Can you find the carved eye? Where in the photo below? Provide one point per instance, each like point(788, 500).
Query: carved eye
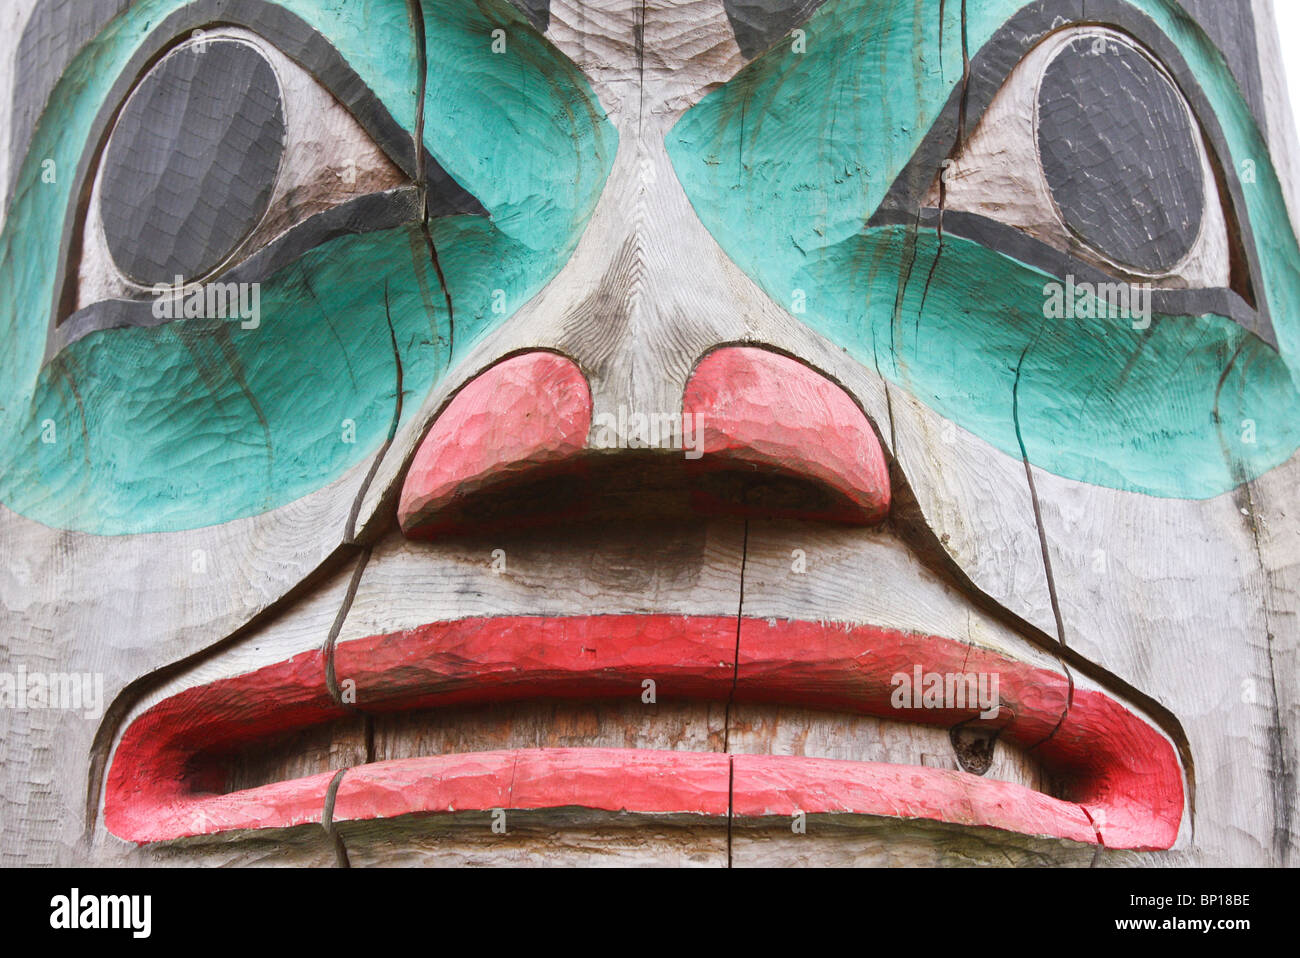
point(1091, 147)
point(228, 159)
point(192, 161)
point(222, 147)
point(1121, 154)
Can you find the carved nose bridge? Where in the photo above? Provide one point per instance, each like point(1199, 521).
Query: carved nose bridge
point(755, 434)
point(648, 289)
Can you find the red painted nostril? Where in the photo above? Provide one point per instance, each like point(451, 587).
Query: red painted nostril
point(762, 435)
point(768, 412)
point(527, 412)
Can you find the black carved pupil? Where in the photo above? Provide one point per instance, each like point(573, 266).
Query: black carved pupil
point(192, 161)
point(1120, 154)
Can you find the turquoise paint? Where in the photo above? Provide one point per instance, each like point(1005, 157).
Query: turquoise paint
point(787, 162)
point(201, 422)
point(508, 126)
point(1080, 376)
point(165, 421)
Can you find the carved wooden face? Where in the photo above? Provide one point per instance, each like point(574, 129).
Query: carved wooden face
point(858, 431)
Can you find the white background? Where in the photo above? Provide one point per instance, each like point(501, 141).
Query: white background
point(1288, 35)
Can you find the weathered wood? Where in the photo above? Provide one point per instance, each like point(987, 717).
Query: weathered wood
point(483, 246)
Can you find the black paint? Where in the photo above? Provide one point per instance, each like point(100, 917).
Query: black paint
point(192, 162)
point(1020, 246)
point(1230, 25)
point(538, 12)
point(990, 67)
point(366, 214)
point(295, 38)
point(758, 24)
point(1120, 154)
point(54, 34)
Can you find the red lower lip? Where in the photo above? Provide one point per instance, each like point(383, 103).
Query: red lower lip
point(1122, 776)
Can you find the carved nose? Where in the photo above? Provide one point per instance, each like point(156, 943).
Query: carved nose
point(524, 416)
point(766, 415)
point(760, 435)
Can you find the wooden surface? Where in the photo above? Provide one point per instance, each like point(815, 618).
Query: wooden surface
point(1184, 611)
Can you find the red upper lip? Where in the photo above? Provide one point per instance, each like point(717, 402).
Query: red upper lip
point(1122, 777)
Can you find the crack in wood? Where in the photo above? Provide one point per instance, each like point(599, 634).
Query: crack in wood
point(350, 533)
point(327, 820)
point(131, 694)
point(331, 640)
point(416, 9)
point(1042, 544)
point(904, 280)
point(735, 663)
point(1101, 842)
point(1282, 784)
point(731, 696)
point(957, 146)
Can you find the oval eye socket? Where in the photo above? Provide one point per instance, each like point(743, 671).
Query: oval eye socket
point(1120, 154)
point(192, 162)
point(1091, 148)
point(225, 162)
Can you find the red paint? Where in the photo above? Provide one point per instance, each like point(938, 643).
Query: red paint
point(763, 410)
point(1109, 760)
point(758, 414)
point(767, 785)
point(1117, 766)
point(608, 779)
point(1113, 775)
point(156, 787)
point(522, 414)
point(519, 657)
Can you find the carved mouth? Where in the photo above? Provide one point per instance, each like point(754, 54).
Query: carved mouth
point(480, 714)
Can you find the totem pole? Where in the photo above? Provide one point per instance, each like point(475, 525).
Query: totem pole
point(691, 432)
